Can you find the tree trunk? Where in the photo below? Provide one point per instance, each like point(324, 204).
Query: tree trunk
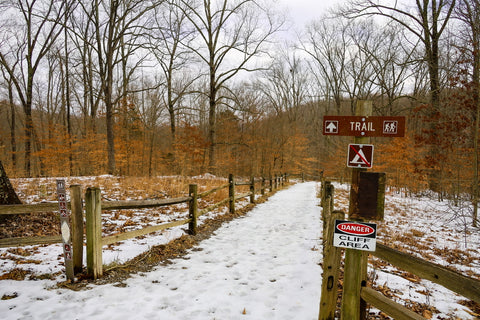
point(7, 193)
point(108, 95)
point(476, 99)
point(211, 137)
point(67, 100)
point(13, 125)
point(212, 119)
point(28, 134)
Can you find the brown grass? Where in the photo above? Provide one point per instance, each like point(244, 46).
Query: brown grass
point(37, 190)
point(118, 188)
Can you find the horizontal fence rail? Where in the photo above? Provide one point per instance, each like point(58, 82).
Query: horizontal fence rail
point(452, 280)
point(29, 241)
point(10, 209)
point(141, 232)
point(395, 310)
point(139, 204)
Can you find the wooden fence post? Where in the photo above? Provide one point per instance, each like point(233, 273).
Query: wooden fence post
point(77, 227)
point(325, 193)
point(252, 190)
point(93, 213)
point(332, 257)
point(65, 229)
point(231, 193)
point(192, 208)
point(263, 186)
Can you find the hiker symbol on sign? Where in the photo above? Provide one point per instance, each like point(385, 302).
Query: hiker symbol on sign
point(390, 127)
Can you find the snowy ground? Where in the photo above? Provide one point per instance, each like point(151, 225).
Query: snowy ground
point(261, 266)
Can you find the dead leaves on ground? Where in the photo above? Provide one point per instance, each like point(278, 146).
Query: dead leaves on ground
point(15, 274)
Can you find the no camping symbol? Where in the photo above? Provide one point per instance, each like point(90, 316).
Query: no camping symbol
point(360, 156)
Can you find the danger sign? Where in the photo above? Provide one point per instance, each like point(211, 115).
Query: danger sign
point(360, 156)
point(355, 235)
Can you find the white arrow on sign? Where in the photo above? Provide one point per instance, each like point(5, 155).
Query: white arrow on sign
point(331, 126)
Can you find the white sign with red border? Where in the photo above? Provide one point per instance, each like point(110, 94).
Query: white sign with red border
point(355, 235)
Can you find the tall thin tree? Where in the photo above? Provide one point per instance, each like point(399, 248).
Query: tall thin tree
point(232, 33)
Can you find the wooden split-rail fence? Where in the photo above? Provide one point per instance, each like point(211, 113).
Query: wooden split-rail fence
point(93, 207)
point(452, 280)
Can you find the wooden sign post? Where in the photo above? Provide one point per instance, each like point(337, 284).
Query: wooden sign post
point(367, 192)
point(65, 229)
point(355, 271)
point(369, 202)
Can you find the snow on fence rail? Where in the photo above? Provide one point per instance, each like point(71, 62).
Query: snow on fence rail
point(452, 280)
point(94, 207)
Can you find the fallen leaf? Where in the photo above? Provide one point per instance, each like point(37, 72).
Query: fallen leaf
point(427, 314)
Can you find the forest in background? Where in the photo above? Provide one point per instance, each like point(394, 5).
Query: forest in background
point(148, 88)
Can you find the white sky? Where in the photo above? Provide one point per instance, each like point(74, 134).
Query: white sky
point(304, 11)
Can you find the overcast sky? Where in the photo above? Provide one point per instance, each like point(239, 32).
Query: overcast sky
point(304, 11)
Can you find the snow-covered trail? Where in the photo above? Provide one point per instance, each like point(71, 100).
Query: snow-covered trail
point(261, 266)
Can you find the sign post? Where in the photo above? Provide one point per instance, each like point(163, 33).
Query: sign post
point(367, 195)
point(65, 229)
point(355, 271)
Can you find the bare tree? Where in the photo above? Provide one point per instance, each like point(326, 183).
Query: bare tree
point(87, 92)
point(151, 109)
point(391, 61)
point(284, 89)
point(326, 43)
point(427, 21)
point(13, 116)
point(468, 12)
point(116, 27)
point(66, 93)
point(170, 39)
point(361, 76)
point(26, 39)
point(285, 84)
point(232, 33)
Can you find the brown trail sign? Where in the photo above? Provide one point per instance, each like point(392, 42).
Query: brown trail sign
point(364, 126)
